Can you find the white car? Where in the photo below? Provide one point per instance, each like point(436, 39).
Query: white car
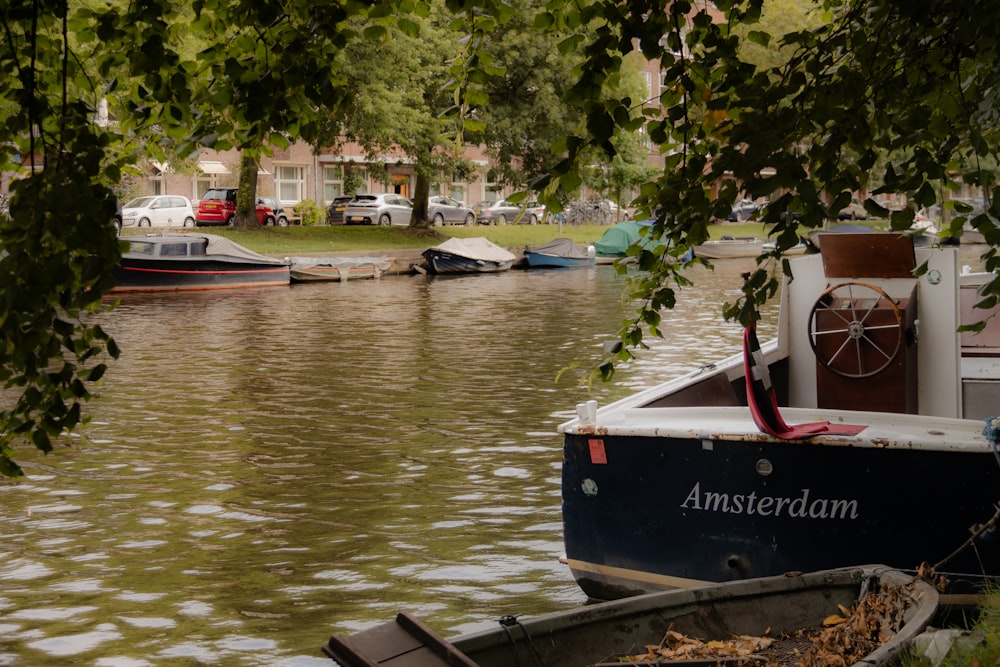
point(158, 211)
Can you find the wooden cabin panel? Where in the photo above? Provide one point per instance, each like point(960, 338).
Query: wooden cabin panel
point(868, 255)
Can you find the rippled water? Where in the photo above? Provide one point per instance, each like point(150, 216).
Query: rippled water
point(267, 467)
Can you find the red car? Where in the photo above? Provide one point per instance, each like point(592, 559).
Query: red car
point(218, 207)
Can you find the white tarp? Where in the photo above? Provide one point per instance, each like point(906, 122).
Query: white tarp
point(476, 248)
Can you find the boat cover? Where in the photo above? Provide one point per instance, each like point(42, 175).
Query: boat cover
point(220, 245)
point(475, 248)
point(381, 263)
point(561, 247)
point(616, 240)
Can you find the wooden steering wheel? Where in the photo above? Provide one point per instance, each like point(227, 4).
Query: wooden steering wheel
point(852, 346)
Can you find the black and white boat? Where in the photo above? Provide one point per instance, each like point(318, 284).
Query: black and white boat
point(860, 434)
point(474, 255)
point(194, 262)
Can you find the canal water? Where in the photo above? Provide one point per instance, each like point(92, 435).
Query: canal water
point(266, 467)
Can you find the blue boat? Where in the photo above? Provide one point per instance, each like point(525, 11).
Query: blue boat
point(561, 252)
point(475, 255)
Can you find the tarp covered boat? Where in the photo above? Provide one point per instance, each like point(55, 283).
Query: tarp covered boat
point(561, 252)
point(474, 255)
point(341, 269)
point(194, 262)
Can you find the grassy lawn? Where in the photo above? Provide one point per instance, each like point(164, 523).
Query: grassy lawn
point(344, 238)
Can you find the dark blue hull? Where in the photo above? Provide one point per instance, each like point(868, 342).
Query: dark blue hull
point(444, 262)
point(137, 274)
point(541, 260)
point(675, 512)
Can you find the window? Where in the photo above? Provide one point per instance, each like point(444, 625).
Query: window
point(491, 183)
point(457, 187)
point(333, 182)
point(289, 182)
point(174, 250)
point(647, 76)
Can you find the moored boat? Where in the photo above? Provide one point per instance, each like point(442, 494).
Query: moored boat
point(754, 622)
point(473, 255)
point(561, 252)
point(194, 262)
point(730, 246)
point(876, 453)
point(338, 269)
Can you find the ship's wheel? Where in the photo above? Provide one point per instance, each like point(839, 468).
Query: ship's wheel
point(853, 346)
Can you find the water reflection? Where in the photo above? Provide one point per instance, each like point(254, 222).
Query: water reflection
point(267, 467)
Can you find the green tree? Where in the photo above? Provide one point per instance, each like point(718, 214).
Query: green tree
point(911, 86)
point(397, 76)
point(262, 79)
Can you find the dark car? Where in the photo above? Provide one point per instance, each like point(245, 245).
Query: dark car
point(218, 207)
point(335, 212)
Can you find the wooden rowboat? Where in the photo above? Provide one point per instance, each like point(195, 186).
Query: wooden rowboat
point(781, 616)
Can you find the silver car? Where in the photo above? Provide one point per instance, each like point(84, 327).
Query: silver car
point(378, 209)
point(441, 210)
point(496, 212)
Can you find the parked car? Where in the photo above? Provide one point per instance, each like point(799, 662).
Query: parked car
point(382, 209)
point(280, 217)
point(116, 219)
point(218, 207)
point(853, 211)
point(335, 212)
point(158, 211)
point(441, 210)
point(534, 213)
point(743, 210)
point(496, 212)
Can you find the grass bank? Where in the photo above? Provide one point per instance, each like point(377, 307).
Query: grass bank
point(344, 238)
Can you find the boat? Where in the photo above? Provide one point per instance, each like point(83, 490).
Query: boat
point(729, 246)
point(339, 269)
point(862, 433)
point(194, 262)
point(561, 252)
point(774, 620)
point(473, 255)
point(614, 242)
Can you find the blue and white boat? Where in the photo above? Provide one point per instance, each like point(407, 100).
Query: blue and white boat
point(475, 255)
point(560, 253)
point(862, 433)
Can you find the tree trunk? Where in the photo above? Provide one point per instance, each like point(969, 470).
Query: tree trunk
point(246, 195)
point(421, 192)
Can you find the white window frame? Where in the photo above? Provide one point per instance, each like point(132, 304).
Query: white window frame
point(290, 183)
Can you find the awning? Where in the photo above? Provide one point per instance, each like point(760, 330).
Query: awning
point(209, 167)
point(162, 167)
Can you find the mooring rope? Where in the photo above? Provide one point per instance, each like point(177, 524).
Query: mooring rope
point(507, 622)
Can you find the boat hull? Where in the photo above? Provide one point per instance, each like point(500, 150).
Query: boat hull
point(332, 273)
point(147, 275)
point(542, 260)
point(445, 262)
point(608, 633)
point(651, 513)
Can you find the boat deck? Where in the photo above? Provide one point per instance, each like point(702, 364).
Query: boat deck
point(882, 430)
